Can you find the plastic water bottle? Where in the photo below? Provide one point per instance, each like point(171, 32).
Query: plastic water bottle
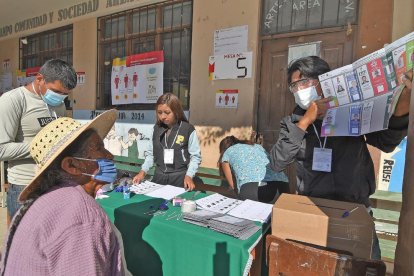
point(127, 192)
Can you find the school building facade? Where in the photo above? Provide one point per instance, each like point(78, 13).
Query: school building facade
point(91, 33)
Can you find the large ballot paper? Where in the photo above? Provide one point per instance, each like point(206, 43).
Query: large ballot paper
point(364, 92)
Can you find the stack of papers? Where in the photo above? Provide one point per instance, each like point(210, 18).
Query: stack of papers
point(145, 187)
point(236, 227)
point(217, 203)
point(200, 217)
point(248, 209)
point(152, 189)
point(166, 192)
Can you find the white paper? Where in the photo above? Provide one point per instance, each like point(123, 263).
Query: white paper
point(218, 203)
point(252, 210)
point(303, 50)
point(230, 40)
point(167, 192)
point(145, 187)
point(231, 66)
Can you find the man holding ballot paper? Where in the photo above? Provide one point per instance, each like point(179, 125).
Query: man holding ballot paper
point(340, 167)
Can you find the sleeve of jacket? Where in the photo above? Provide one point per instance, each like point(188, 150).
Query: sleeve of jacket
point(195, 154)
point(288, 145)
point(11, 110)
point(387, 140)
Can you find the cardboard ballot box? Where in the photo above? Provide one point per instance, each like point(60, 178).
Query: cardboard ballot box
point(322, 222)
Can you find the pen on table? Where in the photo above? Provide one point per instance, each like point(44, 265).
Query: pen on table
point(347, 213)
point(194, 195)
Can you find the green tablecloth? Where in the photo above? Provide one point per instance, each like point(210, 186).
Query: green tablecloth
point(157, 246)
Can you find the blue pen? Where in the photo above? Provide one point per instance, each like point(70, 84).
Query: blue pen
point(347, 213)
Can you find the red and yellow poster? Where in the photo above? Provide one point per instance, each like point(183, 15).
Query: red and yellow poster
point(137, 78)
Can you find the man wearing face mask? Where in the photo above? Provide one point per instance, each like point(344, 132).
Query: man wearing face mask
point(24, 112)
point(337, 168)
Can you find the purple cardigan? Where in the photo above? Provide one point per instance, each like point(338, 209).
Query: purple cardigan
point(65, 232)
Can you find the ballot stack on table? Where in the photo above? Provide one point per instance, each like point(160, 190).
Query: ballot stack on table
point(340, 226)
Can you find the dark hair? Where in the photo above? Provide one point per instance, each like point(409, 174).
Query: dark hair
point(134, 131)
point(309, 67)
point(53, 176)
point(59, 70)
point(230, 141)
point(174, 104)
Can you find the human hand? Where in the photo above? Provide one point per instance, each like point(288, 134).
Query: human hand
point(139, 177)
point(317, 109)
point(408, 79)
point(188, 183)
point(402, 107)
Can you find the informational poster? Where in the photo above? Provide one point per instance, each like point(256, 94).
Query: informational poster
point(363, 92)
point(391, 169)
point(230, 40)
point(227, 98)
point(6, 64)
point(26, 76)
point(6, 81)
point(137, 78)
point(131, 134)
point(230, 66)
point(81, 78)
point(303, 50)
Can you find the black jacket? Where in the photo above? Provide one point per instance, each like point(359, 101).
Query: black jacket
point(352, 176)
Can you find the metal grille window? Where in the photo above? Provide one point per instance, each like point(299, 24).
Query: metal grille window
point(163, 26)
point(281, 16)
point(36, 49)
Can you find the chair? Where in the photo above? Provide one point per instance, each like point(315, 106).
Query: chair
point(290, 258)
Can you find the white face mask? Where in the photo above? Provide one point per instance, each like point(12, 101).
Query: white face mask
point(304, 97)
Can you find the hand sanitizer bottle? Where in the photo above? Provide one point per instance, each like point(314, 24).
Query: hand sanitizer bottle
point(126, 192)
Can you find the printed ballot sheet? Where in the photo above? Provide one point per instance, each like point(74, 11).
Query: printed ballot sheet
point(218, 203)
point(167, 192)
point(252, 210)
point(358, 118)
point(363, 92)
point(145, 187)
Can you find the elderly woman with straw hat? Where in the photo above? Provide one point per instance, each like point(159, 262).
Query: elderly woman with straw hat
point(61, 229)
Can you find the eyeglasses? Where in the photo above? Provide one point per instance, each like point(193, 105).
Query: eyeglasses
point(300, 84)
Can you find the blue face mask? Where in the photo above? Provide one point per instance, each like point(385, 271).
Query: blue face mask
point(53, 98)
point(50, 97)
point(106, 170)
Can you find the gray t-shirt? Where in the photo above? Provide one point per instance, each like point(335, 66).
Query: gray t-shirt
point(23, 115)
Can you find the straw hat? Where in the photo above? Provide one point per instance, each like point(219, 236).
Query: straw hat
point(56, 136)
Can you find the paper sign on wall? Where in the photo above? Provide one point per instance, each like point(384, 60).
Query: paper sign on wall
point(227, 98)
point(230, 40)
point(81, 77)
point(303, 50)
point(230, 66)
point(26, 76)
point(137, 78)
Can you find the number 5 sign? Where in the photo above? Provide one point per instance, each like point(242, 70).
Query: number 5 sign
point(230, 66)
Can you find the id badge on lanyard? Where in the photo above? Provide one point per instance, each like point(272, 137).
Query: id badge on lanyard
point(169, 152)
point(168, 156)
point(322, 157)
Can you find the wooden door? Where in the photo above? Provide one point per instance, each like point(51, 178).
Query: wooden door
point(275, 101)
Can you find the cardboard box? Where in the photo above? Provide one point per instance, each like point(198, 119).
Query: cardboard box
point(321, 222)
